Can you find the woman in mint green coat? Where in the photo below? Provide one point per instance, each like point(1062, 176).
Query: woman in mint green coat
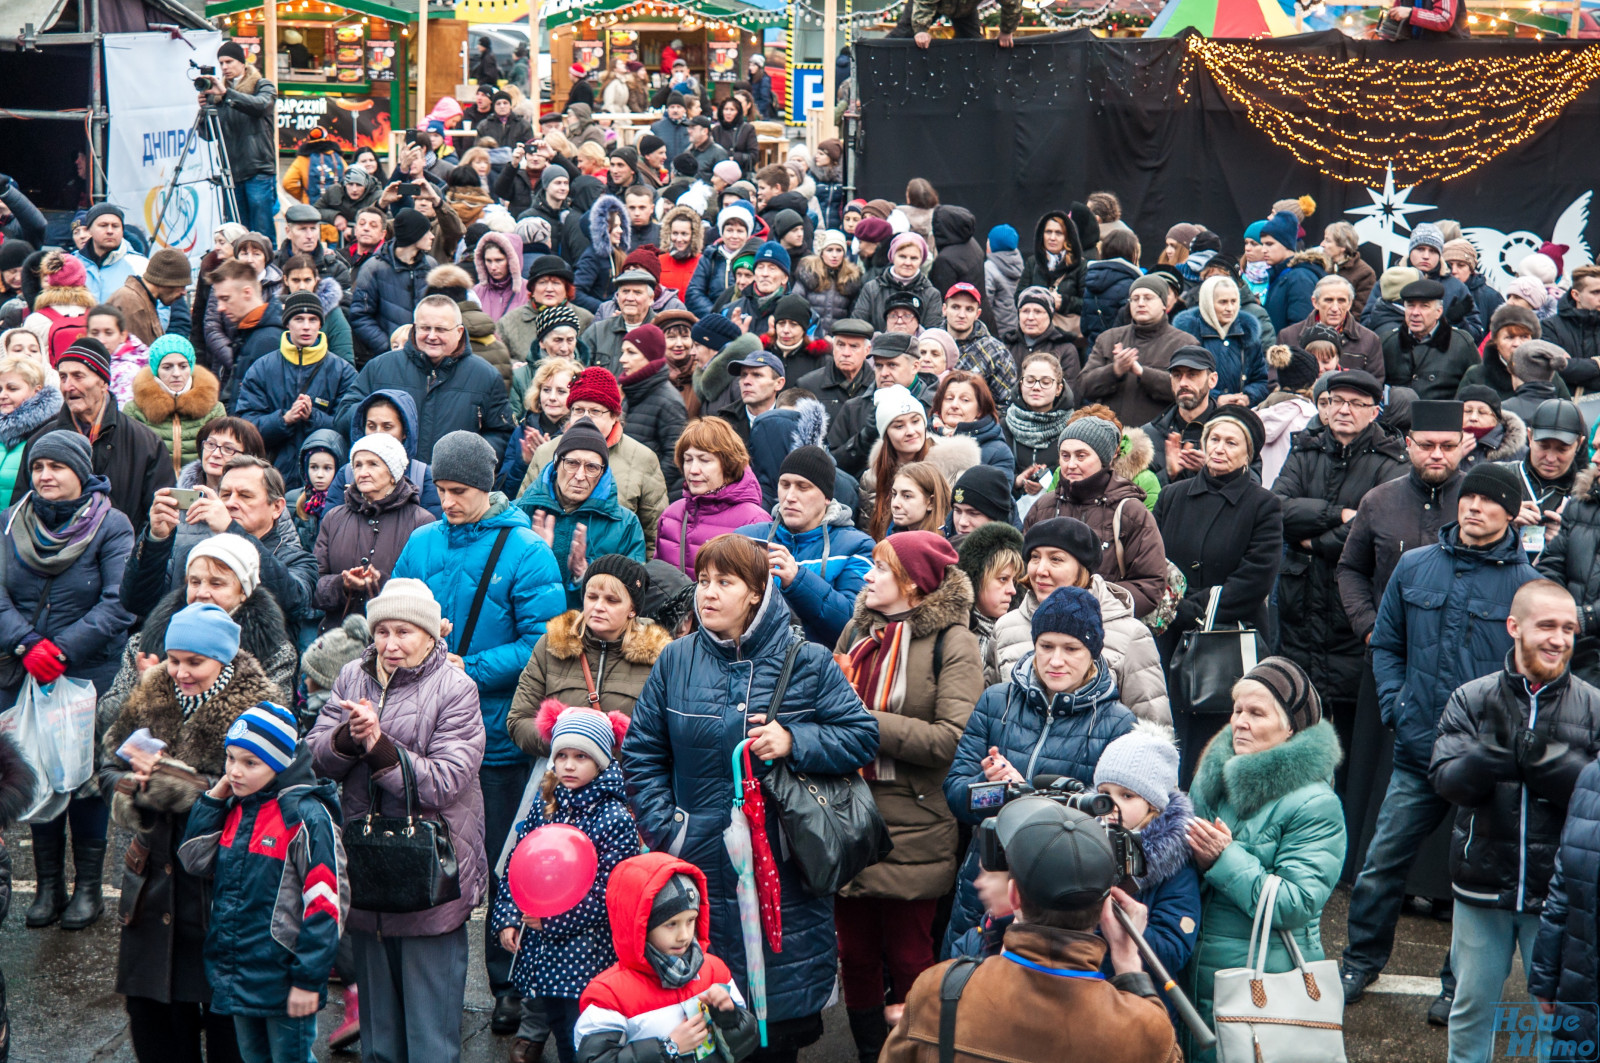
point(1264, 805)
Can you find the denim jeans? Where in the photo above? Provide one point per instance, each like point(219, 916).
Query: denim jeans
point(563, 1015)
point(502, 792)
point(258, 204)
point(1481, 943)
point(276, 1040)
point(1411, 811)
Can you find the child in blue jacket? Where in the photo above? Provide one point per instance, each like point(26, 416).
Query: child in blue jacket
point(1140, 773)
point(556, 957)
point(266, 836)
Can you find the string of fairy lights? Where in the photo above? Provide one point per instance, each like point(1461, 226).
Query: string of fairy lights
point(1353, 117)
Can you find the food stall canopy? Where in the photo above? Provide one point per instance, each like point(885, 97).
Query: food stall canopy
point(752, 14)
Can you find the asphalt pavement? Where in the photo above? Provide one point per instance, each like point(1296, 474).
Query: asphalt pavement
point(64, 1010)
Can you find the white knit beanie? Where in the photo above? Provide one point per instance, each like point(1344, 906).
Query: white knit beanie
point(387, 449)
point(1144, 760)
point(894, 401)
point(236, 553)
point(409, 600)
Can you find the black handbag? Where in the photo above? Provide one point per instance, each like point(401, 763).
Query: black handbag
point(830, 821)
point(1208, 662)
point(400, 864)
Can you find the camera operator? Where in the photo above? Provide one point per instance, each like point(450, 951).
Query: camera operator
point(244, 102)
point(1047, 979)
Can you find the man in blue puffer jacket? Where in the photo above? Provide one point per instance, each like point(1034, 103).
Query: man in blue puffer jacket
point(819, 558)
point(452, 557)
point(1055, 723)
point(1442, 623)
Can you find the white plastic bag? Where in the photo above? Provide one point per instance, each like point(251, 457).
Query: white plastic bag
point(21, 724)
point(65, 714)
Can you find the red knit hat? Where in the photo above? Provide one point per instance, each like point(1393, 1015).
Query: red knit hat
point(925, 556)
point(650, 341)
point(646, 258)
point(596, 384)
point(70, 275)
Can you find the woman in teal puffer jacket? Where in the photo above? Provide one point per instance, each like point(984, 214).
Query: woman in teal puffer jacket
point(1264, 805)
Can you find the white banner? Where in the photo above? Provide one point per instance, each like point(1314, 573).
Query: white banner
point(153, 105)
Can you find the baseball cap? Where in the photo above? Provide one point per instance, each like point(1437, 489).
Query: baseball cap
point(1558, 419)
point(1192, 357)
point(963, 288)
point(758, 359)
point(1058, 856)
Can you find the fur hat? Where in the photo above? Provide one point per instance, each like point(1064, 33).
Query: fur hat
point(1509, 314)
point(982, 544)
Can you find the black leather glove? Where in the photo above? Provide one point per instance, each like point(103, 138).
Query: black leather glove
point(1458, 310)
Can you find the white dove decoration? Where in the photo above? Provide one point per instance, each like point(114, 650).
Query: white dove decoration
point(1499, 253)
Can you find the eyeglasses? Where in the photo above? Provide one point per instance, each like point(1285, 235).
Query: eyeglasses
point(1038, 381)
point(574, 467)
point(1327, 403)
point(435, 330)
point(211, 446)
point(1434, 448)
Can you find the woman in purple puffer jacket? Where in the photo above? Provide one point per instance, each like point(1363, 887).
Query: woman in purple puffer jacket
point(412, 968)
point(720, 492)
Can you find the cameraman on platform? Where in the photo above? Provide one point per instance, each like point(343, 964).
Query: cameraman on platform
point(244, 102)
point(1044, 997)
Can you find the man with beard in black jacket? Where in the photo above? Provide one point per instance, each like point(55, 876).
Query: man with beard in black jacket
point(1509, 750)
point(1330, 468)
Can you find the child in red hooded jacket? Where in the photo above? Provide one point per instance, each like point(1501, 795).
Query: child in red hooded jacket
point(666, 998)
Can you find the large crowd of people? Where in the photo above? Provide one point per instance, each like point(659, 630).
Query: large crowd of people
point(625, 460)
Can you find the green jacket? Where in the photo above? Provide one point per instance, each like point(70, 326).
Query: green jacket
point(1286, 820)
point(924, 13)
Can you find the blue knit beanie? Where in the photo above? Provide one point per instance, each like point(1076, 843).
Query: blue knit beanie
point(205, 629)
point(776, 253)
point(1284, 228)
point(1003, 238)
point(1071, 611)
point(268, 730)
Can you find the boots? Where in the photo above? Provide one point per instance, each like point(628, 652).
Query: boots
point(870, 1030)
point(347, 1032)
point(88, 867)
point(49, 869)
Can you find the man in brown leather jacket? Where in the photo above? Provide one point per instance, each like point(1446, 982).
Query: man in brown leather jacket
point(1044, 997)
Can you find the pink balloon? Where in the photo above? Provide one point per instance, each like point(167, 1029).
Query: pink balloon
point(551, 870)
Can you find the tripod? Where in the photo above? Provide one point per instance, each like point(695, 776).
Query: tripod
point(221, 183)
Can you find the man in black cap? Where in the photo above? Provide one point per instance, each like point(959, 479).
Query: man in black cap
point(1432, 634)
point(1331, 466)
point(507, 128)
point(1063, 882)
point(818, 555)
point(1424, 353)
point(302, 226)
point(1556, 456)
point(981, 494)
point(245, 103)
point(1194, 374)
point(855, 427)
point(844, 375)
point(392, 282)
point(706, 151)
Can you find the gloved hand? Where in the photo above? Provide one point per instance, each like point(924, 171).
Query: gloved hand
point(1457, 311)
point(45, 661)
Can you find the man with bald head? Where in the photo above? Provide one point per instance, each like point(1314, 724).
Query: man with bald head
point(454, 389)
point(1509, 751)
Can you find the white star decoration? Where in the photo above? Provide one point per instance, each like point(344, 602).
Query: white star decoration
point(1389, 209)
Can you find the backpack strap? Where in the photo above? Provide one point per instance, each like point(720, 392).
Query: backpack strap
point(951, 986)
point(483, 591)
point(1116, 539)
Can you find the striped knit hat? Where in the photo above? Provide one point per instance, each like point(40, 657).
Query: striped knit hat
point(1289, 683)
point(591, 732)
point(267, 730)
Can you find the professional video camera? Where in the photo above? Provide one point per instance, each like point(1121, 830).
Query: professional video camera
point(1065, 790)
point(206, 76)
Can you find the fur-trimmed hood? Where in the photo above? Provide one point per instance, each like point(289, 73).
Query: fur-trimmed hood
point(950, 605)
point(1312, 256)
point(811, 427)
point(1166, 840)
point(1584, 485)
point(157, 404)
point(600, 217)
point(262, 627)
point(697, 234)
point(954, 455)
point(1514, 441)
point(74, 295)
point(642, 643)
point(1135, 454)
point(1250, 782)
point(40, 407)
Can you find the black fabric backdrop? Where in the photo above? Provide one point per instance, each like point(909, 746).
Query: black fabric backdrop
point(1012, 133)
